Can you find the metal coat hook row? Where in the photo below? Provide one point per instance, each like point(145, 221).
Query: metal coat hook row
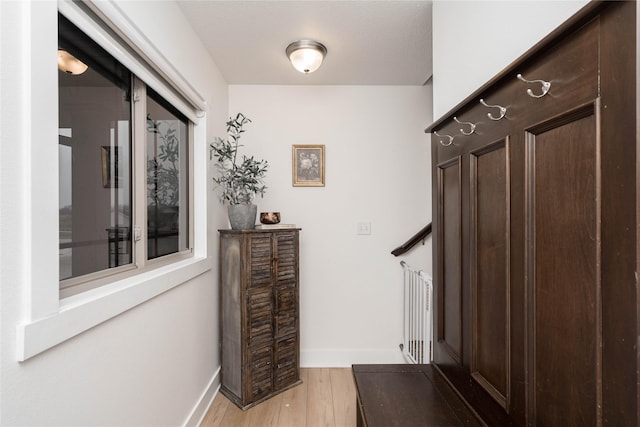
point(545, 86)
point(449, 137)
point(503, 110)
point(472, 126)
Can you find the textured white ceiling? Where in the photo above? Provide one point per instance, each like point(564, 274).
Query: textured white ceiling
point(383, 42)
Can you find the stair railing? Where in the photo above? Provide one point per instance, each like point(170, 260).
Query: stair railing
point(419, 236)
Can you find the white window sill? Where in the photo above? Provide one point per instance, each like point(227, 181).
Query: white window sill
point(81, 312)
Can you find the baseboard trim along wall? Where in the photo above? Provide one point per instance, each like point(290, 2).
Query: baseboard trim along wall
point(341, 358)
point(202, 406)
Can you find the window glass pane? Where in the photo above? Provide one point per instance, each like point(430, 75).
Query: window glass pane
point(95, 156)
point(64, 202)
point(167, 178)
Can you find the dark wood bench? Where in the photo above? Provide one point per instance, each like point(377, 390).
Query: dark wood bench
point(407, 395)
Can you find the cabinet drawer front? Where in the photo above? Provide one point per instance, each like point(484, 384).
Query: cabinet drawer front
point(260, 382)
point(260, 312)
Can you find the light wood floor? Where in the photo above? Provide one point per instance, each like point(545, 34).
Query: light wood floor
point(326, 397)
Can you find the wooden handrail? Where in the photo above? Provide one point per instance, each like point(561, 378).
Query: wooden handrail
point(420, 235)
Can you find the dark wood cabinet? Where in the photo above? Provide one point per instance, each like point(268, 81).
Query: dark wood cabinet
point(536, 228)
point(260, 313)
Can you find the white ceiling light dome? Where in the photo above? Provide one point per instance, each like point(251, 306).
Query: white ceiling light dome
point(306, 56)
point(69, 63)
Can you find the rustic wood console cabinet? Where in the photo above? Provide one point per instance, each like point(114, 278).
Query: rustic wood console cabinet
point(260, 313)
point(536, 232)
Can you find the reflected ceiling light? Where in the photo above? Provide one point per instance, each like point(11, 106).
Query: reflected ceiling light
point(306, 55)
point(70, 64)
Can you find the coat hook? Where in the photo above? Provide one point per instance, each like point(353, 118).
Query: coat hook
point(449, 137)
point(503, 110)
point(472, 126)
point(545, 86)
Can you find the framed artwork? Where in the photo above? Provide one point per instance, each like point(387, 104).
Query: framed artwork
point(109, 166)
point(308, 165)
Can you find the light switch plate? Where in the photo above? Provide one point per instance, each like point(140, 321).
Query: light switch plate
point(364, 228)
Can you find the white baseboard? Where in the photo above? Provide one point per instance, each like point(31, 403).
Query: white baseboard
point(341, 358)
point(202, 406)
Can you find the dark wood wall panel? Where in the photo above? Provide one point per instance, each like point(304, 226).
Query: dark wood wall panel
point(489, 271)
point(620, 247)
point(536, 213)
point(564, 232)
point(450, 290)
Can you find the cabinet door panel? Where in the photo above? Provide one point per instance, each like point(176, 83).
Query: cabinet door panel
point(449, 247)
point(287, 267)
point(489, 270)
point(259, 314)
point(564, 263)
point(260, 379)
point(286, 362)
point(261, 260)
point(286, 312)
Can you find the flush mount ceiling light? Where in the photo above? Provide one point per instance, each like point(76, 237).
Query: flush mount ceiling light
point(70, 64)
point(306, 55)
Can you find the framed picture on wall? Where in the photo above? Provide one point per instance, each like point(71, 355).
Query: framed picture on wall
point(308, 165)
point(109, 166)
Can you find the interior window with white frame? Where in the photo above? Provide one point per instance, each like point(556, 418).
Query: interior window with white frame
point(167, 188)
point(124, 169)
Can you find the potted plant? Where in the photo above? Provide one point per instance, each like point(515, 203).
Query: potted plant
point(240, 179)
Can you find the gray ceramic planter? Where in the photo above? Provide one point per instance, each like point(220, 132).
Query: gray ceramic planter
point(242, 217)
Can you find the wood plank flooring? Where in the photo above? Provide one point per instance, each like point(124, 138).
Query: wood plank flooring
point(326, 398)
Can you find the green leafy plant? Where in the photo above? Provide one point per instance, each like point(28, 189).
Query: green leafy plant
point(163, 175)
point(239, 179)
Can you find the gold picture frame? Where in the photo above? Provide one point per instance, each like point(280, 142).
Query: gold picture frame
point(308, 165)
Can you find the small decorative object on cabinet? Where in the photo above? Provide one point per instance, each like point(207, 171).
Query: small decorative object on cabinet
point(260, 313)
point(270, 217)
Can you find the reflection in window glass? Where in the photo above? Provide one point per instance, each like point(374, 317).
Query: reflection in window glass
point(167, 178)
point(65, 182)
point(95, 156)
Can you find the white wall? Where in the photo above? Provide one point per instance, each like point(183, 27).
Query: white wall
point(377, 170)
point(152, 364)
point(475, 40)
